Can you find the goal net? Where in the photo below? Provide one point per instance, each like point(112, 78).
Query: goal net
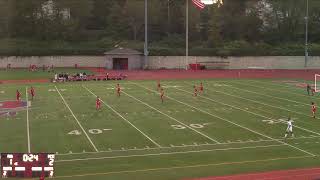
point(317, 82)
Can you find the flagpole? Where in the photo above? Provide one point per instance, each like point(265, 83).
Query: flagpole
point(187, 33)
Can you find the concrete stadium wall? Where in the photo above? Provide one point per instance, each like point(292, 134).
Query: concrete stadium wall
point(57, 61)
point(169, 62)
point(265, 62)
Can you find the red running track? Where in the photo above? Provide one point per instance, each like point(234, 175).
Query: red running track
point(199, 74)
point(298, 174)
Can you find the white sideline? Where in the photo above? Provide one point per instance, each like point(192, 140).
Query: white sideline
point(172, 118)
point(169, 153)
point(89, 139)
point(307, 130)
point(145, 135)
point(186, 166)
point(185, 146)
point(28, 127)
point(232, 122)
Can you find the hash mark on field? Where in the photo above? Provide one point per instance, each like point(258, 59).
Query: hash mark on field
point(145, 135)
point(172, 153)
point(89, 139)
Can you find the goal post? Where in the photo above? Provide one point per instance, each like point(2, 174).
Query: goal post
point(316, 83)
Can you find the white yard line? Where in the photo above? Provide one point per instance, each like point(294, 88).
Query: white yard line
point(169, 153)
point(176, 120)
point(185, 146)
point(83, 130)
point(28, 127)
point(145, 135)
point(232, 122)
point(186, 167)
point(307, 130)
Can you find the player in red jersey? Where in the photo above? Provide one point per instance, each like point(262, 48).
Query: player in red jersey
point(195, 91)
point(118, 90)
point(313, 109)
point(98, 103)
point(158, 86)
point(162, 94)
point(201, 87)
point(18, 95)
point(32, 92)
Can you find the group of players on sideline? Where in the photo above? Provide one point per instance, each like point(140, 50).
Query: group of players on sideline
point(197, 90)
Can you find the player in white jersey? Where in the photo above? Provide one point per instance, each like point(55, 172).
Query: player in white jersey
point(289, 128)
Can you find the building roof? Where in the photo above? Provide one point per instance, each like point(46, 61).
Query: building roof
point(123, 51)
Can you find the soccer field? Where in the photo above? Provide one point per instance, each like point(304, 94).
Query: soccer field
point(235, 126)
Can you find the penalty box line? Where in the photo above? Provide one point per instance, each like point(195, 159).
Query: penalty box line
point(145, 135)
point(83, 130)
point(231, 122)
point(146, 104)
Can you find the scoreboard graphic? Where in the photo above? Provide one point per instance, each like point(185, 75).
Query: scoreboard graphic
point(27, 165)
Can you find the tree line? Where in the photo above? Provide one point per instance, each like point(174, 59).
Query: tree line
point(246, 27)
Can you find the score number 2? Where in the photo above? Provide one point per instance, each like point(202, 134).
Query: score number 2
point(51, 159)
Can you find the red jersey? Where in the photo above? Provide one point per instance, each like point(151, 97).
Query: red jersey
point(98, 102)
point(201, 88)
point(118, 89)
point(313, 108)
point(32, 92)
point(18, 95)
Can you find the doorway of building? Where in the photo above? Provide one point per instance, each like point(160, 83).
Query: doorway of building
point(120, 63)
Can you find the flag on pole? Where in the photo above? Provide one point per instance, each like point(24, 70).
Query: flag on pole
point(198, 4)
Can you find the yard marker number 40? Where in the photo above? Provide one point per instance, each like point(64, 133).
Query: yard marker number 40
point(91, 131)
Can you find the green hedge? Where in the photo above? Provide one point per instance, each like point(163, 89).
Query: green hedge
point(12, 47)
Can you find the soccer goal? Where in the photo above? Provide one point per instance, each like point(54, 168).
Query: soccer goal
point(316, 83)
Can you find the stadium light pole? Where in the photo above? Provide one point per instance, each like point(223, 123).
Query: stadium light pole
point(187, 34)
point(146, 52)
point(306, 54)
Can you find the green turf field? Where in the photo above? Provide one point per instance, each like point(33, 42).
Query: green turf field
point(236, 126)
point(25, 74)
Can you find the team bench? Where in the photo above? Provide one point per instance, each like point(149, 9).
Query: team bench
point(215, 64)
point(93, 78)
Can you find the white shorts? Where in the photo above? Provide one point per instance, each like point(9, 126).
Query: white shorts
point(289, 129)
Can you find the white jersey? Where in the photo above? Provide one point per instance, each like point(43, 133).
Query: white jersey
point(289, 128)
